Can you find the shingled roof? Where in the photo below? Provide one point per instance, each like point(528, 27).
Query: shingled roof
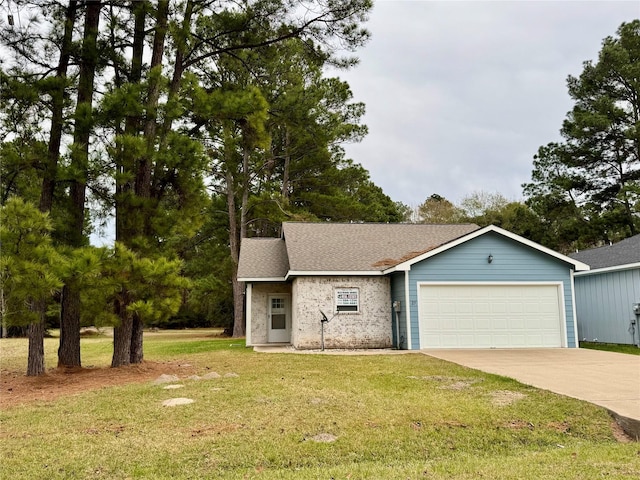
point(264, 258)
point(624, 252)
point(341, 247)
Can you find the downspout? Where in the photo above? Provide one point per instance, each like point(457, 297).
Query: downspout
point(635, 324)
point(397, 306)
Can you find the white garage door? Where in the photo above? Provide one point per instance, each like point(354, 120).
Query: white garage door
point(490, 316)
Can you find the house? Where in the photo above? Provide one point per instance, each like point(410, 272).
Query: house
point(605, 295)
point(406, 286)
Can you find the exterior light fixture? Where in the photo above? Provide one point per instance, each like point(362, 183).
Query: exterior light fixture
point(490, 258)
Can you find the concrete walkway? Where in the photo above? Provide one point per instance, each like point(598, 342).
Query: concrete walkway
point(611, 380)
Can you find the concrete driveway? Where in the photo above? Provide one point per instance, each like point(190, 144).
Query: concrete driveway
point(611, 380)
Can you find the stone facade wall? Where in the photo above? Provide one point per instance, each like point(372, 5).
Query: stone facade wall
point(370, 327)
point(260, 308)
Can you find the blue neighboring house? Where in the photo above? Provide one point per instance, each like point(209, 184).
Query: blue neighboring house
point(406, 286)
point(605, 295)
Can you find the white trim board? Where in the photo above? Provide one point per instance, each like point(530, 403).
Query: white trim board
point(261, 279)
point(247, 313)
point(470, 236)
point(616, 268)
point(328, 273)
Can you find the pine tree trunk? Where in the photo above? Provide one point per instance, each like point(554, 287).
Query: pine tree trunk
point(35, 363)
point(238, 306)
point(83, 125)
point(136, 352)
point(3, 321)
point(126, 216)
point(143, 174)
point(287, 163)
point(70, 318)
point(122, 336)
point(131, 219)
point(234, 246)
point(69, 349)
point(57, 112)
point(122, 343)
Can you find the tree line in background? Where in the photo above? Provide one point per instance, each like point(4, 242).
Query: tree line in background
point(197, 122)
point(203, 122)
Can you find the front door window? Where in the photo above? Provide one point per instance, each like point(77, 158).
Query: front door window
point(279, 319)
point(278, 314)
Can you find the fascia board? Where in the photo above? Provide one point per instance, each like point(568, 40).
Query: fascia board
point(578, 266)
point(328, 273)
point(262, 279)
point(404, 266)
point(616, 268)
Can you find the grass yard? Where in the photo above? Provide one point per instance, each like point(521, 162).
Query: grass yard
point(611, 347)
point(287, 416)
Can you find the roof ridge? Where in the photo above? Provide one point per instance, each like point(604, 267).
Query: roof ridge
point(384, 223)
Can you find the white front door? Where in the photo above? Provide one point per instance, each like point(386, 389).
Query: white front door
point(279, 319)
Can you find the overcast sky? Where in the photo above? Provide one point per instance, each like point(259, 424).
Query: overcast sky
point(460, 95)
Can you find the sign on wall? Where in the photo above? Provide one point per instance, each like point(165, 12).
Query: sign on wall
point(347, 299)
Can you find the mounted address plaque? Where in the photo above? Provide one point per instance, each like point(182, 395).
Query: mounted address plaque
point(347, 300)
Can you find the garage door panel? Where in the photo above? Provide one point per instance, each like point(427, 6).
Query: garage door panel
point(501, 341)
point(499, 308)
point(465, 324)
point(483, 307)
point(490, 316)
point(482, 323)
point(536, 339)
point(549, 337)
point(464, 308)
point(518, 324)
point(517, 308)
point(446, 306)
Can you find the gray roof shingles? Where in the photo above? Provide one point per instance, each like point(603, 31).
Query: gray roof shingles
point(263, 258)
point(342, 247)
point(624, 252)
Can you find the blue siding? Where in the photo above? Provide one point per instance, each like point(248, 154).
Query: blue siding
point(512, 262)
point(398, 294)
point(604, 305)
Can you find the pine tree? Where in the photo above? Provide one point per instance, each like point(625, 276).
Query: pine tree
point(28, 274)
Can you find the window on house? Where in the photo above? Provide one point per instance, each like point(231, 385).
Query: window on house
point(347, 300)
point(278, 314)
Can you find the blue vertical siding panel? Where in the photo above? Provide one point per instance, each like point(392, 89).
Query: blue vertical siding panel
point(604, 305)
point(398, 294)
point(512, 262)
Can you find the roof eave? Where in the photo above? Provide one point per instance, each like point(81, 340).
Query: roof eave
point(262, 279)
point(333, 273)
point(401, 267)
point(578, 266)
point(615, 268)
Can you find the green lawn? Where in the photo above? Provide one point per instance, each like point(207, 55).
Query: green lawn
point(388, 417)
point(611, 347)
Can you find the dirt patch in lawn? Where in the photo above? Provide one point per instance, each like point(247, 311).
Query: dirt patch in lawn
point(18, 389)
point(502, 398)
